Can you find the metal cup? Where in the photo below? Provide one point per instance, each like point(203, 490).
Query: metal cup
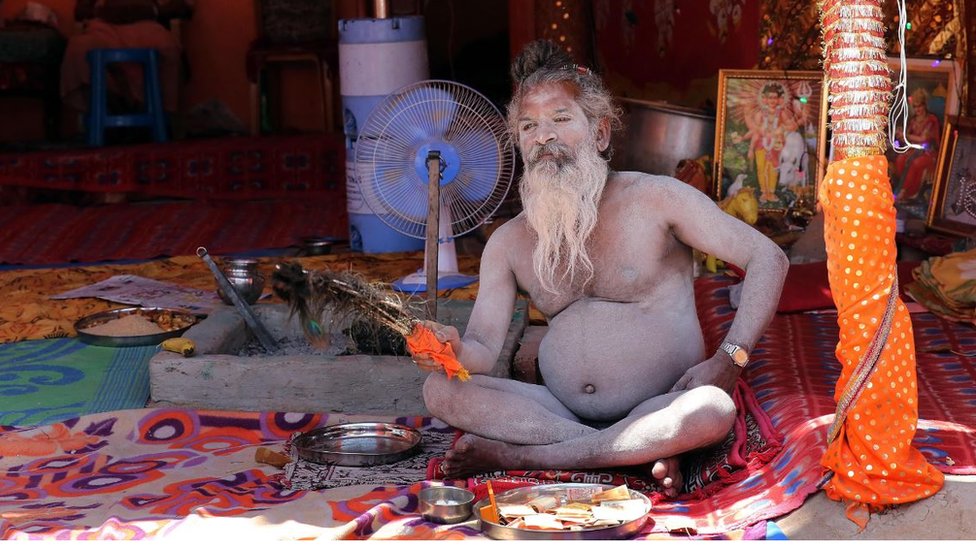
point(244, 276)
point(445, 504)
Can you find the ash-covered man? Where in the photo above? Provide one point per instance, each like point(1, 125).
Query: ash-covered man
point(607, 258)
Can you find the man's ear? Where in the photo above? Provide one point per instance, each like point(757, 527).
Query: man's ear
point(603, 134)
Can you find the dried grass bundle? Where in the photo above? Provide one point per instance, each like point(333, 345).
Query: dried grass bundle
point(346, 294)
point(349, 294)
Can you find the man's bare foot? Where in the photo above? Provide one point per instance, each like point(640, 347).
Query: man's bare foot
point(667, 473)
point(472, 454)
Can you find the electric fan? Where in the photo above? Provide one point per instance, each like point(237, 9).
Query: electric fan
point(434, 162)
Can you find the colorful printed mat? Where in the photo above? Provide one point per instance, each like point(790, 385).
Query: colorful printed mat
point(52, 380)
point(181, 474)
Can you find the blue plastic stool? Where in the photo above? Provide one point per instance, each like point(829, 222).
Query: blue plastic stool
point(98, 116)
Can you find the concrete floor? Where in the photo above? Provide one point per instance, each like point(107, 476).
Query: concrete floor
point(949, 515)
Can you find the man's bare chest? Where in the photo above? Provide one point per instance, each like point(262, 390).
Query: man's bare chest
point(624, 270)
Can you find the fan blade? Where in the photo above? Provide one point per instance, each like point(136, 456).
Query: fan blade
point(481, 164)
point(428, 111)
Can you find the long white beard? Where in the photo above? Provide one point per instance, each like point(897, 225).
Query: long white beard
point(560, 198)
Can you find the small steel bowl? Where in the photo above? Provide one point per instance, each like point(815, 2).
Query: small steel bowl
point(446, 504)
point(317, 245)
point(244, 276)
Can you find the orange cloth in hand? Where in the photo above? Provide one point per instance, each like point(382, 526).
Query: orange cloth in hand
point(422, 341)
point(872, 458)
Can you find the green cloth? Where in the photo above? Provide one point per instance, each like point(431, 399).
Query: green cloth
point(50, 380)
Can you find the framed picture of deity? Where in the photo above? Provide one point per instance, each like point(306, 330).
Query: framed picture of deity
point(770, 136)
point(953, 208)
point(932, 96)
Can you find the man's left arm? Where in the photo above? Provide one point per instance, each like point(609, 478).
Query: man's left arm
point(699, 223)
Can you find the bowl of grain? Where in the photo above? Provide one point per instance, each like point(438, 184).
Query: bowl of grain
point(445, 504)
point(133, 326)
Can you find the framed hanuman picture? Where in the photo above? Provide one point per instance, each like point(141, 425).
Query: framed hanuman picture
point(770, 133)
point(953, 208)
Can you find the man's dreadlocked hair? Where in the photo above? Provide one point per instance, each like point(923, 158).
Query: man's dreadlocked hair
point(542, 61)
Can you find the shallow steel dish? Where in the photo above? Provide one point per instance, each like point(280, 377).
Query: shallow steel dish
point(182, 319)
point(358, 444)
point(527, 493)
point(445, 504)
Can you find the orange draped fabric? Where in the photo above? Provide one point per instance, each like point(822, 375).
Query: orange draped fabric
point(422, 341)
point(870, 454)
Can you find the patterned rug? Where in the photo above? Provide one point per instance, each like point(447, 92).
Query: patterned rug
point(48, 381)
point(793, 372)
point(46, 234)
point(185, 474)
point(304, 167)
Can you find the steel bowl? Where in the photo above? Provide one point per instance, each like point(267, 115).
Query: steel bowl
point(244, 276)
point(446, 504)
point(317, 245)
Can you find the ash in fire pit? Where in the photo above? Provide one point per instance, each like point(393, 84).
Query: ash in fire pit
point(361, 338)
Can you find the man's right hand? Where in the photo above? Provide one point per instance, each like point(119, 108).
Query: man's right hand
point(444, 334)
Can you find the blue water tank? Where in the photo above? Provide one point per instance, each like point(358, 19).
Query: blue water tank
point(376, 58)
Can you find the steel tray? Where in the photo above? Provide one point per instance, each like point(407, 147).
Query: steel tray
point(358, 444)
point(151, 313)
point(527, 493)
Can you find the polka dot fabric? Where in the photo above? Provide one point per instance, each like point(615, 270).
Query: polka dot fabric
point(872, 458)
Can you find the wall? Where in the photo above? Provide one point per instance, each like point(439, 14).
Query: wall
point(215, 40)
point(466, 41)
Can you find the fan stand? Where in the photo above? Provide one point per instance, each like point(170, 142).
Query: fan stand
point(440, 254)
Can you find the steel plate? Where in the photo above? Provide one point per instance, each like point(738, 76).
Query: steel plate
point(527, 493)
point(152, 313)
point(358, 444)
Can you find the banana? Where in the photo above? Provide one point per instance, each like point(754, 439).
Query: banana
point(181, 345)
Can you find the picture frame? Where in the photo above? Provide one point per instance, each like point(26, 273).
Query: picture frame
point(780, 157)
point(953, 209)
point(934, 84)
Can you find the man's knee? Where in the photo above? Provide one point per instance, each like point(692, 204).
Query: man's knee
point(437, 395)
point(714, 411)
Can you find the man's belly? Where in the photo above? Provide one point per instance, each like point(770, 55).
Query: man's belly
point(601, 358)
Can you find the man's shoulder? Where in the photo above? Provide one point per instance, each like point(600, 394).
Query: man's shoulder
point(512, 232)
point(634, 184)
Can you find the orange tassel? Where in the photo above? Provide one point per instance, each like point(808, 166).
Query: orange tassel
point(858, 513)
point(422, 341)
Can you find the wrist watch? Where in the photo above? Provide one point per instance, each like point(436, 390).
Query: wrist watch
point(738, 353)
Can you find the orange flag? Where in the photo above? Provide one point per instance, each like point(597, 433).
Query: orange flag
point(423, 341)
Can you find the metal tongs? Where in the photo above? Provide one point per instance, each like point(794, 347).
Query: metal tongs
point(264, 337)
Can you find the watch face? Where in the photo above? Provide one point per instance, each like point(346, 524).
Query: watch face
point(740, 356)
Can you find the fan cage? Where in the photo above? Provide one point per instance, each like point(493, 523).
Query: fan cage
point(434, 114)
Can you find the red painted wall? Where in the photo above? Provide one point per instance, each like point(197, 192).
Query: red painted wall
point(215, 41)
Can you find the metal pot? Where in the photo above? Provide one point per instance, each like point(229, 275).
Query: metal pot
point(656, 136)
point(244, 276)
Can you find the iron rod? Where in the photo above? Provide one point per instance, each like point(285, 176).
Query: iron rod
point(230, 291)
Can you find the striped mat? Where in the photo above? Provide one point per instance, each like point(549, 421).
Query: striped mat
point(50, 380)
